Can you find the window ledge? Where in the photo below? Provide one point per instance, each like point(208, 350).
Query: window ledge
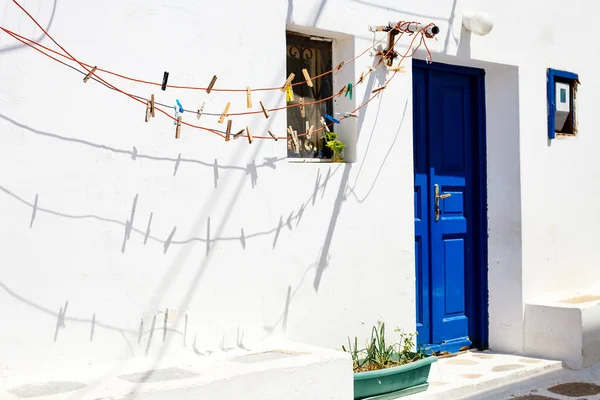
point(310, 160)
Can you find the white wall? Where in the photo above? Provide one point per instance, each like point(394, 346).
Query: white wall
point(315, 252)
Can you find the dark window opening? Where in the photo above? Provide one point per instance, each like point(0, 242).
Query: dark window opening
point(314, 54)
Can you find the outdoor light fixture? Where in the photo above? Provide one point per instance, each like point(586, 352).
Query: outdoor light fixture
point(480, 23)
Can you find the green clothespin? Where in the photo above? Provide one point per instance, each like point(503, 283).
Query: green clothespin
point(349, 91)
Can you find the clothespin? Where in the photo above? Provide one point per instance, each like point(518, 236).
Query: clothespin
point(272, 134)
point(178, 128)
point(325, 126)
point(302, 112)
point(224, 114)
point(164, 82)
point(362, 78)
point(309, 129)
point(349, 91)
point(288, 82)
point(340, 65)
point(181, 110)
point(379, 89)
point(264, 110)
point(350, 114)
point(200, 110)
point(329, 117)
point(296, 142)
point(237, 135)
point(249, 135)
point(148, 112)
point(228, 131)
point(212, 83)
point(342, 90)
point(399, 68)
point(248, 97)
point(307, 77)
point(152, 109)
point(89, 75)
point(176, 114)
point(289, 94)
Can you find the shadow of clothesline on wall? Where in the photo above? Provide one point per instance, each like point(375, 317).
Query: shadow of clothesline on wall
point(39, 38)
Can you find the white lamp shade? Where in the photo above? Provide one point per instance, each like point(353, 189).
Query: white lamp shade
point(480, 23)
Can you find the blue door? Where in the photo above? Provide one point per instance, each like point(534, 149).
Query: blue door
point(449, 152)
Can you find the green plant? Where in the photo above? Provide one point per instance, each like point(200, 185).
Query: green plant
point(379, 355)
point(336, 146)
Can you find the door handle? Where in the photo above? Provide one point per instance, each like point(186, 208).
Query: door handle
point(436, 201)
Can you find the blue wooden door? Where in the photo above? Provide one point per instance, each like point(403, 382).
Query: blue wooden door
point(446, 157)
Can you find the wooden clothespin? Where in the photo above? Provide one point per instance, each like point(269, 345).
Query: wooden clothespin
point(379, 89)
point(302, 112)
point(325, 126)
point(152, 108)
point(296, 142)
point(164, 81)
point(237, 135)
point(399, 68)
point(340, 65)
point(248, 97)
point(212, 83)
point(200, 110)
point(362, 78)
point(264, 110)
point(178, 128)
point(309, 130)
point(342, 90)
point(288, 82)
point(307, 77)
point(224, 114)
point(89, 75)
point(228, 131)
point(148, 112)
point(249, 134)
point(272, 134)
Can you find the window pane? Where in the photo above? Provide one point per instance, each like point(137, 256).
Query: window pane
point(315, 56)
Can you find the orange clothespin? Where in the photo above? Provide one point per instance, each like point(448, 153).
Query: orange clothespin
point(379, 89)
point(302, 112)
point(307, 77)
point(264, 110)
point(248, 97)
point(178, 128)
point(224, 114)
point(228, 131)
point(249, 134)
point(272, 134)
point(288, 82)
point(212, 83)
point(89, 75)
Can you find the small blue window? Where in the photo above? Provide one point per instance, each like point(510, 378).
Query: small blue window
point(561, 90)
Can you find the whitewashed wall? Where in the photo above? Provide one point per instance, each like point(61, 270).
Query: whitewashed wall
point(261, 246)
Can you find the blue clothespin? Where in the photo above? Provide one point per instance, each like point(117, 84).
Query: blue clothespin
point(329, 117)
point(178, 109)
point(181, 110)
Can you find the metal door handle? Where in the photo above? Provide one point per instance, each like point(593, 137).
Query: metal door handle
point(436, 201)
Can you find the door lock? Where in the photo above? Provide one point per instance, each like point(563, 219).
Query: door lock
point(436, 201)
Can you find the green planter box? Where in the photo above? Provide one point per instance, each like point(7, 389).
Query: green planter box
point(391, 383)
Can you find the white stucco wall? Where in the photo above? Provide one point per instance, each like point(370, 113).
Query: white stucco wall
point(315, 252)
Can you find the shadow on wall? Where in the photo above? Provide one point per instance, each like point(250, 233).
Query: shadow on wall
point(40, 38)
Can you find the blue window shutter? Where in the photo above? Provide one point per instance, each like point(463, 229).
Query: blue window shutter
point(551, 104)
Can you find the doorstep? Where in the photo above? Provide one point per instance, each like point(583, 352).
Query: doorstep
point(470, 372)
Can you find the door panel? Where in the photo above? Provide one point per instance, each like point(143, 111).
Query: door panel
point(445, 112)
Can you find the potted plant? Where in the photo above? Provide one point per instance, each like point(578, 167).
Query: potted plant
point(388, 371)
point(336, 146)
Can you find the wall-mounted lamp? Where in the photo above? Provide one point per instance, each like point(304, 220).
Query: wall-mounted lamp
point(480, 23)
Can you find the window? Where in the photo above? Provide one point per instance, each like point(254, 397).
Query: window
point(562, 95)
point(314, 54)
